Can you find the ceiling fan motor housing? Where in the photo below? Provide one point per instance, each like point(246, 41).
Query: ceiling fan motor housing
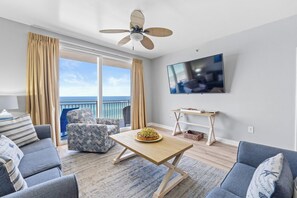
point(136, 33)
point(136, 36)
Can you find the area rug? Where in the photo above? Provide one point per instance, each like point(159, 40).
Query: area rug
point(136, 177)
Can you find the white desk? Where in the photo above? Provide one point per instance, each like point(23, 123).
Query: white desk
point(211, 119)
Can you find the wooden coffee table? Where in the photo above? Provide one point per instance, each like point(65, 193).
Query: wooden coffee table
point(157, 153)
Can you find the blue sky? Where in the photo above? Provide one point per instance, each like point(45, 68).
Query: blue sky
point(80, 79)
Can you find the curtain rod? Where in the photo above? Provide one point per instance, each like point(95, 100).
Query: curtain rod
point(64, 42)
point(95, 54)
point(90, 50)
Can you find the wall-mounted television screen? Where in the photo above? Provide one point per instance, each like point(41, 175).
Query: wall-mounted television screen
point(204, 75)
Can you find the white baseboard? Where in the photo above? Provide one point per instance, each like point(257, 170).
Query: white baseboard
point(160, 125)
point(223, 140)
point(227, 141)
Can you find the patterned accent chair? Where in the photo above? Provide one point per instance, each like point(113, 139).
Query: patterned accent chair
point(85, 133)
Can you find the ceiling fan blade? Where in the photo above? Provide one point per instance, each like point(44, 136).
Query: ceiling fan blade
point(157, 31)
point(124, 40)
point(147, 43)
point(137, 19)
point(113, 31)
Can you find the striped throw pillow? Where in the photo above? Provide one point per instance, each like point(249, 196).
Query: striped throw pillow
point(20, 130)
point(11, 178)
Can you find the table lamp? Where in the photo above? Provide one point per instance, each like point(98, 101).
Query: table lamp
point(7, 102)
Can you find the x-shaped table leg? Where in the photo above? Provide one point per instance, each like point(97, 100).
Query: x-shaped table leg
point(122, 156)
point(211, 135)
point(177, 117)
point(167, 184)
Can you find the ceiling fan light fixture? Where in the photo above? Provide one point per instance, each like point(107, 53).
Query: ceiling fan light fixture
point(136, 36)
point(137, 33)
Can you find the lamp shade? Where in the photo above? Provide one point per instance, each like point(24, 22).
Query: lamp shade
point(8, 102)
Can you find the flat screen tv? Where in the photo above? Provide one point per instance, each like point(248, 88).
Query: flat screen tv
point(204, 75)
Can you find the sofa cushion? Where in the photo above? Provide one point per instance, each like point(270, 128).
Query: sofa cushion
point(19, 130)
point(9, 149)
point(11, 179)
point(43, 176)
point(36, 162)
point(272, 178)
point(221, 193)
point(238, 179)
point(37, 146)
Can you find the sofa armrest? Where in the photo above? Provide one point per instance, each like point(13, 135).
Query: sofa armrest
point(43, 131)
point(65, 187)
point(254, 154)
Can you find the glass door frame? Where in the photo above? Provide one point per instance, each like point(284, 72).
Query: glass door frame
point(100, 87)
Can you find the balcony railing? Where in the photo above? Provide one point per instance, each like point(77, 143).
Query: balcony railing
point(110, 109)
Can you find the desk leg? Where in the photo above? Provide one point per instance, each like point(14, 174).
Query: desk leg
point(177, 117)
point(167, 184)
point(211, 135)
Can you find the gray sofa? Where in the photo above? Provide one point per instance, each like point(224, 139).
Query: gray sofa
point(249, 157)
point(41, 168)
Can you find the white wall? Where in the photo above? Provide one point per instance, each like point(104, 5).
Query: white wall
point(13, 50)
point(13, 47)
point(260, 75)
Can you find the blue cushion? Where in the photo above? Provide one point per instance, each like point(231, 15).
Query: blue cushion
point(238, 179)
point(43, 176)
point(37, 146)
point(221, 193)
point(36, 162)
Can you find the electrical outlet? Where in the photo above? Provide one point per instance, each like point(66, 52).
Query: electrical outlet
point(250, 129)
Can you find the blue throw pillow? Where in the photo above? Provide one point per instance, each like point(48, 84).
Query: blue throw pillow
point(272, 178)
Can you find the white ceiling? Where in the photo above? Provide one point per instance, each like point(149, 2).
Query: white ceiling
point(193, 21)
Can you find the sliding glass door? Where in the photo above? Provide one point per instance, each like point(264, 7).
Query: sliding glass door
point(94, 82)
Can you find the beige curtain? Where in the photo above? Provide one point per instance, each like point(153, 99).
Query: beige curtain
point(138, 99)
point(42, 101)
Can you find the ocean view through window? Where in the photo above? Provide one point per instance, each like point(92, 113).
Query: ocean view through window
point(112, 105)
point(80, 87)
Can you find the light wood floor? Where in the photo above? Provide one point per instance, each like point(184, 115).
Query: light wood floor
point(218, 154)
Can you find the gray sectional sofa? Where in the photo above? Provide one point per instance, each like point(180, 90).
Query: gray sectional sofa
point(249, 157)
point(41, 168)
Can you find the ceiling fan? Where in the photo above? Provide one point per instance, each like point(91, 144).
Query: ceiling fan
point(137, 32)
